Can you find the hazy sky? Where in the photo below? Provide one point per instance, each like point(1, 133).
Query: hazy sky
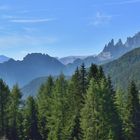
point(65, 27)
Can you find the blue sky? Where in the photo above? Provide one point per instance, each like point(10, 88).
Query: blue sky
point(65, 27)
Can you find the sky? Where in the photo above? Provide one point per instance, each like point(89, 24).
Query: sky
point(65, 27)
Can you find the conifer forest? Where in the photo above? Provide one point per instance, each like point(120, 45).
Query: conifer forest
point(82, 107)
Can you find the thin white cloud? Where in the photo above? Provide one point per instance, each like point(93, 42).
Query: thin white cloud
point(8, 17)
point(15, 41)
point(100, 19)
point(32, 20)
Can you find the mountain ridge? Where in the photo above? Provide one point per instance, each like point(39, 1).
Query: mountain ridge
point(125, 69)
point(3, 58)
point(32, 66)
point(37, 64)
point(122, 71)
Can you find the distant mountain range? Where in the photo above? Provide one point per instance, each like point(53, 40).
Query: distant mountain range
point(40, 65)
point(121, 71)
point(3, 58)
point(70, 59)
point(32, 66)
point(111, 51)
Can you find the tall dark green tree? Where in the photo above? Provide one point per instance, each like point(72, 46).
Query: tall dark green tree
point(90, 115)
point(44, 102)
point(101, 73)
point(93, 72)
point(31, 130)
point(4, 104)
point(120, 103)
point(83, 79)
point(132, 118)
point(98, 114)
point(78, 100)
point(58, 119)
point(14, 113)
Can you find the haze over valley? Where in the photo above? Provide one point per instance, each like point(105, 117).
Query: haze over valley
point(69, 70)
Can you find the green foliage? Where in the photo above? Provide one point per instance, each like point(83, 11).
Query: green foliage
point(132, 117)
point(14, 113)
point(85, 107)
point(78, 101)
point(31, 130)
point(58, 121)
point(99, 115)
point(4, 104)
point(44, 108)
point(83, 79)
point(125, 69)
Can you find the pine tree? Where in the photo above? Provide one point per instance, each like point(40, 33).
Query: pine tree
point(111, 112)
point(58, 117)
point(20, 123)
point(120, 103)
point(100, 73)
point(78, 101)
point(31, 130)
point(44, 102)
point(83, 79)
point(99, 118)
point(90, 122)
point(132, 118)
point(93, 72)
point(14, 113)
point(4, 104)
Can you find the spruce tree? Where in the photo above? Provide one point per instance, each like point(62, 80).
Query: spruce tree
point(120, 103)
point(57, 121)
point(83, 79)
point(44, 102)
point(100, 73)
point(93, 72)
point(31, 130)
point(78, 101)
point(14, 113)
point(4, 104)
point(132, 118)
point(90, 122)
point(99, 118)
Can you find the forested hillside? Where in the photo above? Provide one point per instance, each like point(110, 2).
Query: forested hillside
point(125, 69)
point(32, 88)
point(85, 107)
point(121, 71)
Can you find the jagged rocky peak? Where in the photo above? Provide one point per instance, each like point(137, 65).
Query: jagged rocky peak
point(35, 56)
point(109, 46)
point(119, 43)
point(111, 43)
point(133, 42)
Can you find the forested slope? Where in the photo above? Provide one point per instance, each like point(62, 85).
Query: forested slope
point(125, 69)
